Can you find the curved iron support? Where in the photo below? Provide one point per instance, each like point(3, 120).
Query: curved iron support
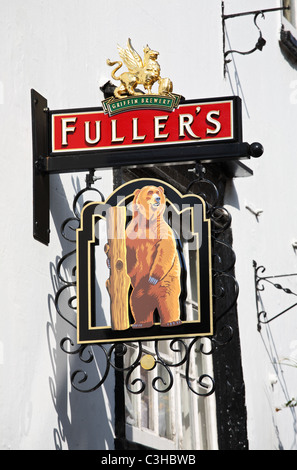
point(261, 41)
point(259, 44)
point(262, 317)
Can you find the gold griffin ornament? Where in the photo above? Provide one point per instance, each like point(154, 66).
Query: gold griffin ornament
point(145, 72)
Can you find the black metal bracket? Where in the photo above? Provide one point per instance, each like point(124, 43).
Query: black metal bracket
point(259, 287)
point(44, 164)
point(261, 41)
point(91, 178)
point(41, 192)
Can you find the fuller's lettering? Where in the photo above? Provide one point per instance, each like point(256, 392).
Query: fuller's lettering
point(186, 124)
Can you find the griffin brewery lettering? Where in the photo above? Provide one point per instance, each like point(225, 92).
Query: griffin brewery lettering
point(135, 101)
point(92, 131)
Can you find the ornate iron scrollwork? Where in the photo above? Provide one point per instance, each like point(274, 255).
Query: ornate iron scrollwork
point(261, 41)
point(223, 263)
point(260, 281)
point(259, 44)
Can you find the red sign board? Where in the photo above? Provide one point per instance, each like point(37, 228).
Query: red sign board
point(193, 122)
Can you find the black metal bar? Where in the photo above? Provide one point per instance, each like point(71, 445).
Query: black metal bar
point(126, 158)
point(255, 12)
point(40, 180)
point(279, 314)
point(280, 275)
point(235, 169)
point(258, 289)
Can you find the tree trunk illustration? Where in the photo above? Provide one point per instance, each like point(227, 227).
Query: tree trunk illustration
point(119, 281)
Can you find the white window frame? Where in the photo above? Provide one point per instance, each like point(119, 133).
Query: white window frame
point(200, 431)
point(202, 410)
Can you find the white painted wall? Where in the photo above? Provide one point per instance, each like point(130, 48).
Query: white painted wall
point(46, 45)
point(265, 80)
point(59, 48)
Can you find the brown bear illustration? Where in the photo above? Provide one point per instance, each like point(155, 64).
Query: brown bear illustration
point(152, 261)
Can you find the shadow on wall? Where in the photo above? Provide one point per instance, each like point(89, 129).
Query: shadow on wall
point(268, 311)
point(276, 362)
point(234, 82)
point(85, 420)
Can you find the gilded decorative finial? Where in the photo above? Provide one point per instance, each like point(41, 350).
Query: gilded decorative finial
point(144, 72)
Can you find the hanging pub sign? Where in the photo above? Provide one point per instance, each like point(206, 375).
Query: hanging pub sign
point(145, 252)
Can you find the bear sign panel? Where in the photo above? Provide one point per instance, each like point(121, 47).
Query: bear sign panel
point(146, 252)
